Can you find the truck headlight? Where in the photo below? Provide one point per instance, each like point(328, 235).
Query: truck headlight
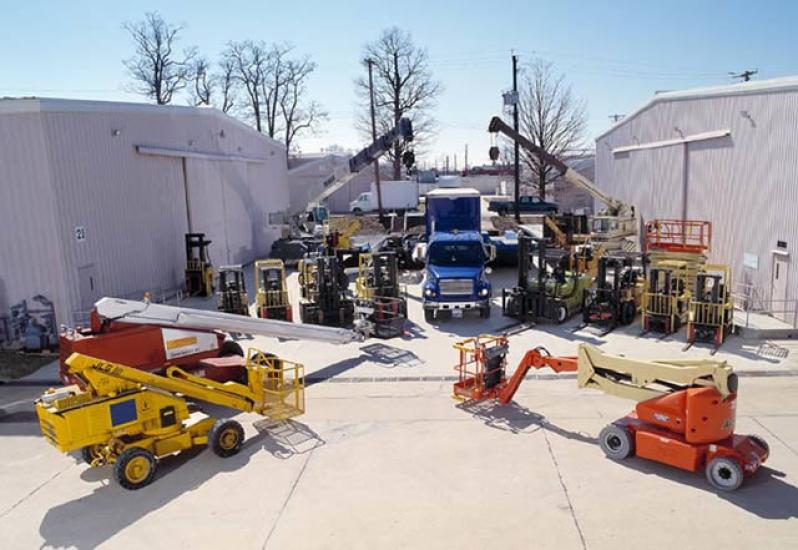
point(429, 293)
point(484, 292)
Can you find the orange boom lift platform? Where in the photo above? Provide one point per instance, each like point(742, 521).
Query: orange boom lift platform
point(685, 415)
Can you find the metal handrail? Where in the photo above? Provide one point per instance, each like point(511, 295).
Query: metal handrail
point(768, 307)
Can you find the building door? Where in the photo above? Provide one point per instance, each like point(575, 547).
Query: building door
point(781, 264)
point(87, 284)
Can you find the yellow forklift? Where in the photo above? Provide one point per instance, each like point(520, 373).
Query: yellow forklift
point(711, 310)
point(271, 301)
point(380, 307)
point(616, 294)
point(232, 294)
point(199, 271)
point(129, 418)
point(324, 288)
point(666, 297)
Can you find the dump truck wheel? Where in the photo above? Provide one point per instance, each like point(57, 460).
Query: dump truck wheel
point(616, 442)
point(135, 468)
point(90, 453)
point(484, 312)
point(724, 474)
point(230, 348)
point(226, 438)
point(429, 315)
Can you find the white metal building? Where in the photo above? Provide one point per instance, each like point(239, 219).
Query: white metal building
point(95, 197)
point(725, 154)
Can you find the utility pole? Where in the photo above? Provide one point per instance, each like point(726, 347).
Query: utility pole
point(370, 63)
point(515, 143)
point(455, 162)
point(616, 117)
point(466, 158)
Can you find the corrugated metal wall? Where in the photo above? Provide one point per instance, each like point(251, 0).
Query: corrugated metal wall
point(744, 184)
point(30, 257)
point(132, 205)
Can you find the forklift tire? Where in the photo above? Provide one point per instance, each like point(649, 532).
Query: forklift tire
point(724, 474)
point(429, 315)
point(616, 442)
point(627, 313)
point(484, 313)
point(560, 313)
point(226, 438)
point(90, 453)
point(230, 348)
point(135, 468)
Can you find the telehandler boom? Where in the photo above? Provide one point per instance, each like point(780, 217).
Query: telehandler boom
point(612, 228)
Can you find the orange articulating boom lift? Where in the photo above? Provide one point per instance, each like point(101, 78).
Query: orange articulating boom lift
point(685, 413)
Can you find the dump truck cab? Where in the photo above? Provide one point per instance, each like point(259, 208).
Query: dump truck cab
point(456, 275)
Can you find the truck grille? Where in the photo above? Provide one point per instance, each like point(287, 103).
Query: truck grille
point(456, 287)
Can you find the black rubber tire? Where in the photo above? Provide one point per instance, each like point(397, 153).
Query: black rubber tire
point(120, 468)
point(429, 315)
point(560, 313)
point(88, 454)
point(724, 474)
point(616, 442)
point(222, 429)
point(484, 312)
point(230, 348)
point(627, 313)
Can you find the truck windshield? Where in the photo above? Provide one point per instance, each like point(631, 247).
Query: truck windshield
point(451, 254)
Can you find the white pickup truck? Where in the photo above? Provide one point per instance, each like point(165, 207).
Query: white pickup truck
point(396, 195)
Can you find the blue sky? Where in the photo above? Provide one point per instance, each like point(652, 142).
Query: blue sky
point(614, 54)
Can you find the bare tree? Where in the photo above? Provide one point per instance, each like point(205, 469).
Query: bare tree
point(274, 84)
point(403, 87)
point(298, 115)
point(203, 83)
point(248, 63)
point(158, 72)
point(227, 84)
point(551, 117)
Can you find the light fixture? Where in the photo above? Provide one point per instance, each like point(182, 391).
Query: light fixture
point(116, 132)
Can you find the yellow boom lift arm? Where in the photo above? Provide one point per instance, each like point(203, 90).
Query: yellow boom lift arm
point(130, 418)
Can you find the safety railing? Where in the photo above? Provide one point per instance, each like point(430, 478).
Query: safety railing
point(476, 371)
point(784, 311)
point(679, 236)
point(283, 384)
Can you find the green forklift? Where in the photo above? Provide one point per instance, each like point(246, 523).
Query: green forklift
point(554, 295)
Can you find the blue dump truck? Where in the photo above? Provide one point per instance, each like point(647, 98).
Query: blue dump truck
point(455, 254)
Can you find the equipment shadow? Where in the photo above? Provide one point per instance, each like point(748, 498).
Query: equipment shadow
point(516, 419)
point(765, 494)
point(91, 520)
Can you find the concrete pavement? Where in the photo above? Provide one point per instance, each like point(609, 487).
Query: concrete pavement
point(401, 465)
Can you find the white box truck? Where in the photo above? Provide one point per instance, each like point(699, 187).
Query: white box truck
point(396, 195)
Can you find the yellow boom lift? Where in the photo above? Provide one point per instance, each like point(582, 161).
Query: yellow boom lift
point(130, 418)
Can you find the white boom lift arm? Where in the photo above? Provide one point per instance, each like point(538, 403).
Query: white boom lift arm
point(146, 313)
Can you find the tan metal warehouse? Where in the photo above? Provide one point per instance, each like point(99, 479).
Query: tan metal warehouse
point(95, 197)
point(726, 154)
